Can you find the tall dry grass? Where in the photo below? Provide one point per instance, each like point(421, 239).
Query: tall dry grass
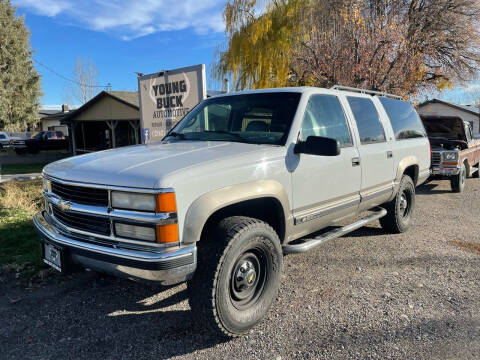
point(21, 195)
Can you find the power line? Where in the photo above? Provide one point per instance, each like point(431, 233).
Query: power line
point(108, 86)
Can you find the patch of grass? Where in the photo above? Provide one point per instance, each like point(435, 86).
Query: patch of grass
point(19, 245)
point(24, 196)
point(467, 246)
point(8, 169)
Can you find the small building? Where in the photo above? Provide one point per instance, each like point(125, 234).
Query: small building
point(109, 120)
point(51, 120)
point(440, 107)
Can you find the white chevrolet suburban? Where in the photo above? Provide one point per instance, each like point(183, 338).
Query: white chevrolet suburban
point(243, 179)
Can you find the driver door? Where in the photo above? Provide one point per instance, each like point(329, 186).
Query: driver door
point(326, 188)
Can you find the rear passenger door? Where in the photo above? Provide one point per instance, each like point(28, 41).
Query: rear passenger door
point(376, 157)
point(325, 187)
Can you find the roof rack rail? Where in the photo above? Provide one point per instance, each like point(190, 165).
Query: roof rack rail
point(364, 91)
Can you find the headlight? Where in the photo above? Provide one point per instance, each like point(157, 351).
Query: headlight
point(450, 156)
point(160, 203)
point(135, 232)
point(47, 185)
point(133, 201)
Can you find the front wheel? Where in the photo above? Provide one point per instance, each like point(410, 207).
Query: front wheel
point(237, 277)
point(458, 182)
point(400, 210)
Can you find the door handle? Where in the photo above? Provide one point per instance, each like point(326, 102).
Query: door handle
point(355, 161)
point(389, 154)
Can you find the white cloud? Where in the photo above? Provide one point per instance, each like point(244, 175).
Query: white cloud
point(130, 19)
point(44, 7)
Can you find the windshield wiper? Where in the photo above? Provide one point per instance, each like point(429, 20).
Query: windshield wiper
point(238, 136)
point(176, 134)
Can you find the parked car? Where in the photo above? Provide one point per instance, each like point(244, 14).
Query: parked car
point(455, 151)
point(6, 140)
point(43, 140)
point(243, 178)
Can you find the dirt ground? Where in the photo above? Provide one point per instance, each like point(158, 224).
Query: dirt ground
point(368, 295)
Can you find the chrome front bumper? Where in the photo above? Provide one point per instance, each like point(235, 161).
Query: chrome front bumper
point(166, 267)
point(445, 171)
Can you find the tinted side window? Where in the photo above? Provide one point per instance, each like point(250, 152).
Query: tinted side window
point(368, 121)
point(2, 136)
point(324, 116)
point(405, 121)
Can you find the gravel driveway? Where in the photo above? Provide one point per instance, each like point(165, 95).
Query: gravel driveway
point(367, 295)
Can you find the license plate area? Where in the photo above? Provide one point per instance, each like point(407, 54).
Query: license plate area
point(53, 256)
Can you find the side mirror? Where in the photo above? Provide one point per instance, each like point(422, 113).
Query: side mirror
point(318, 145)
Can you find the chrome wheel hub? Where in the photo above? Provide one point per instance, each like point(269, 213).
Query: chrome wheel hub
point(245, 275)
point(403, 203)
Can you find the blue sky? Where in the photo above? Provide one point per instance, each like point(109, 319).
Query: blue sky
point(121, 37)
point(127, 36)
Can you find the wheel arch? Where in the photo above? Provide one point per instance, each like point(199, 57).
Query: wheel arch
point(248, 199)
point(409, 166)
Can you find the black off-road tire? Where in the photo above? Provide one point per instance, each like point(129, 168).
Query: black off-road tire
point(458, 182)
point(222, 256)
point(401, 209)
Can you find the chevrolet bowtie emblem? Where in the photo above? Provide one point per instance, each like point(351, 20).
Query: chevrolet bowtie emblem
point(64, 206)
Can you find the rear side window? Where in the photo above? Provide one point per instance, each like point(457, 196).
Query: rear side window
point(324, 116)
point(367, 119)
point(405, 121)
point(2, 136)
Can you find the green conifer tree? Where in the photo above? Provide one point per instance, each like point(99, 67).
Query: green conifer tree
point(19, 81)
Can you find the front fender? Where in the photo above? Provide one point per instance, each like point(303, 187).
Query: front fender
point(206, 205)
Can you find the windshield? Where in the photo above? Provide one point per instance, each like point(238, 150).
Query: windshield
point(261, 118)
point(37, 135)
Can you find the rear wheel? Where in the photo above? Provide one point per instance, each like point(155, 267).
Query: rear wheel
point(400, 210)
point(237, 277)
point(458, 182)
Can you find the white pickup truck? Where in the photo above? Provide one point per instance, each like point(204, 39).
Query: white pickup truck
point(242, 180)
point(6, 140)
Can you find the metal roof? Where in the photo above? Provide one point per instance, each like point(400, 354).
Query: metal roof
point(468, 108)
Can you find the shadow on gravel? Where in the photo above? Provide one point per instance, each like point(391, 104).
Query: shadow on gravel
point(429, 189)
point(102, 317)
point(367, 231)
point(442, 338)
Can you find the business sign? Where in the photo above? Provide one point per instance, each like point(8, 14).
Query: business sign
point(166, 97)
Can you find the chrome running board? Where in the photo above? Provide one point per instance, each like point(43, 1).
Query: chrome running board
point(308, 244)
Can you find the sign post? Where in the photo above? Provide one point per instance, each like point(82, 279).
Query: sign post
point(166, 97)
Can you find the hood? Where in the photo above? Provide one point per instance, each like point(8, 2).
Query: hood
point(144, 166)
point(449, 127)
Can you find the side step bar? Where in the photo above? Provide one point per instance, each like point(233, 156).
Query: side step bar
point(308, 244)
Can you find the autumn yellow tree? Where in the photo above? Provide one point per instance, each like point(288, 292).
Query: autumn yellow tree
point(399, 46)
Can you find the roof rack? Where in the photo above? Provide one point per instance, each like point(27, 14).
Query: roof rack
point(364, 91)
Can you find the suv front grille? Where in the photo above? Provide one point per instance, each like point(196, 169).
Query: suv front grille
point(90, 223)
point(436, 158)
point(81, 194)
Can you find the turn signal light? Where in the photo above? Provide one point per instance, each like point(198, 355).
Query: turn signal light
point(449, 162)
point(167, 234)
point(166, 203)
